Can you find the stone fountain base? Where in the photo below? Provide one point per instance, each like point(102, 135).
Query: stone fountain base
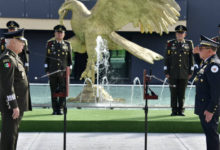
point(89, 95)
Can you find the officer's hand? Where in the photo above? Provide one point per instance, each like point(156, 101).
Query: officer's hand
point(16, 113)
point(196, 50)
point(167, 76)
point(208, 116)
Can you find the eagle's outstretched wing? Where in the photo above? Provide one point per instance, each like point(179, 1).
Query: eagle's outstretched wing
point(149, 15)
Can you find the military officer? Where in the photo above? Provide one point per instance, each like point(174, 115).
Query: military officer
point(14, 89)
point(24, 55)
point(207, 100)
point(178, 68)
point(58, 57)
point(217, 39)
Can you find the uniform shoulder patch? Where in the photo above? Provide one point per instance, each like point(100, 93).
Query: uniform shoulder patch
point(6, 61)
point(214, 69)
point(169, 43)
point(49, 43)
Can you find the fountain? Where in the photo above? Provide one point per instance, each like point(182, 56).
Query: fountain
point(136, 80)
point(88, 95)
point(163, 86)
point(191, 86)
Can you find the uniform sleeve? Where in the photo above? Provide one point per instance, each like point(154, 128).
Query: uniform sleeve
point(213, 77)
point(191, 61)
point(47, 60)
point(7, 77)
point(167, 58)
point(197, 59)
point(70, 57)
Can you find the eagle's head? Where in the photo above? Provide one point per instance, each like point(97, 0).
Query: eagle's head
point(78, 9)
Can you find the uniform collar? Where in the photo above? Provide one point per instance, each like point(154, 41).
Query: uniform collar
point(207, 60)
point(62, 42)
point(12, 53)
point(183, 41)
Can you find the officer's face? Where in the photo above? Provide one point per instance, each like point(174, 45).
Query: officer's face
point(59, 35)
point(19, 44)
point(180, 35)
point(12, 29)
point(15, 45)
point(204, 52)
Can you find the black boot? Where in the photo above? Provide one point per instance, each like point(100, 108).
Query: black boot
point(54, 106)
point(60, 105)
point(181, 112)
point(174, 112)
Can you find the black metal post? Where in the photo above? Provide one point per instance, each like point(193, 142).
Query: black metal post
point(146, 124)
point(64, 127)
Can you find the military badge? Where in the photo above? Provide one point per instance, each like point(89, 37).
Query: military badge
point(214, 69)
point(52, 47)
point(173, 47)
point(65, 47)
point(186, 46)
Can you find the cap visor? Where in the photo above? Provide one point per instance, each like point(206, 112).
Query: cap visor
point(180, 31)
point(22, 39)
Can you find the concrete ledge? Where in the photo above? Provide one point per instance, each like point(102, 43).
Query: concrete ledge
point(48, 24)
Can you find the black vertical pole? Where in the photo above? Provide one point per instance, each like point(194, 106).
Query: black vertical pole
point(146, 125)
point(146, 85)
point(64, 127)
point(65, 107)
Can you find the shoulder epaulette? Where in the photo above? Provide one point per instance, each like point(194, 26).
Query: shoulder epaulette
point(169, 41)
point(51, 39)
point(50, 42)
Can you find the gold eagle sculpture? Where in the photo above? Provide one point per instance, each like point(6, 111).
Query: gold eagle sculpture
point(109, 16)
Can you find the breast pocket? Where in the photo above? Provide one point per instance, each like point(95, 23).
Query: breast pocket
point(21, 72)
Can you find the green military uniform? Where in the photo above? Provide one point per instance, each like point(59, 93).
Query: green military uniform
point(24, 55)
point(178, 65)
point(58, 57)
point(14, 93)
